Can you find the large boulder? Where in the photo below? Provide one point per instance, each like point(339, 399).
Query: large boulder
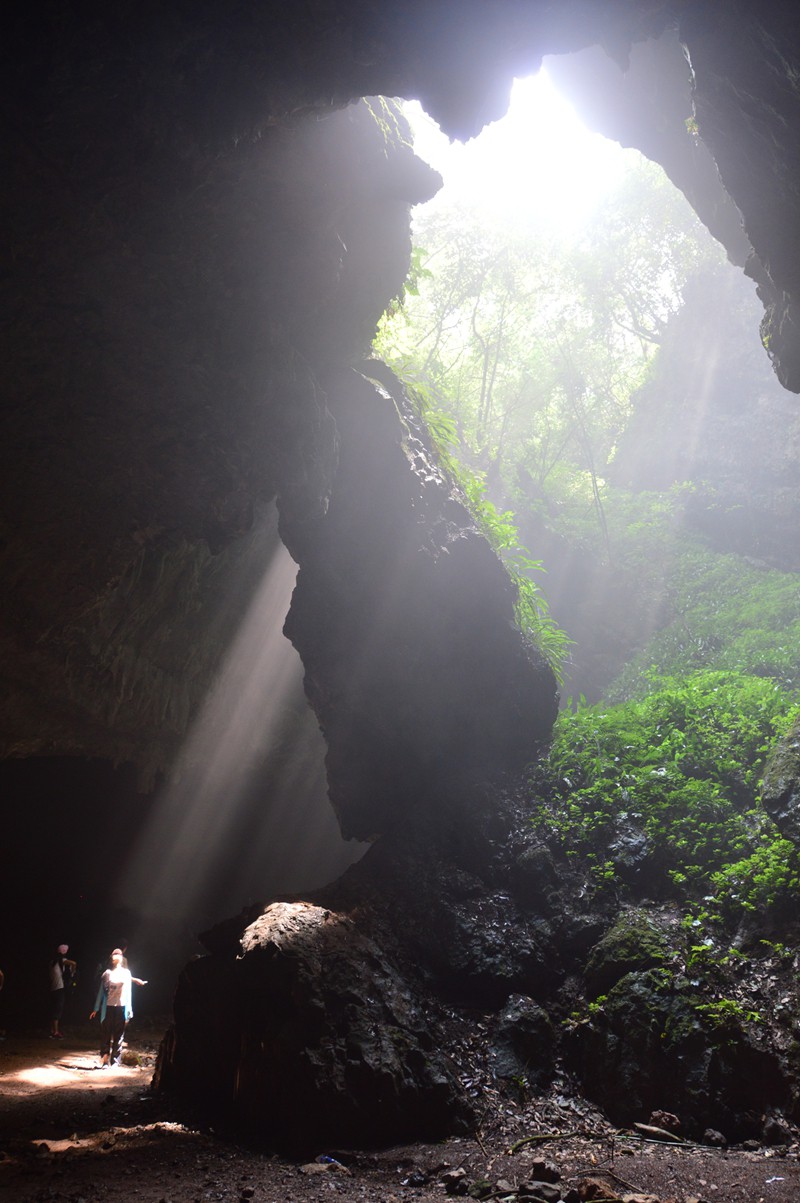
point(309, 1037)
point(654, 1043)
point(524, 1044)
point(634, 943)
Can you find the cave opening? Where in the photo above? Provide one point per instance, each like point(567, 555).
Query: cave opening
point(188, 348)
point(565, 294)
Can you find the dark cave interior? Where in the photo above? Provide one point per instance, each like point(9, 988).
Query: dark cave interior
point(201, 234)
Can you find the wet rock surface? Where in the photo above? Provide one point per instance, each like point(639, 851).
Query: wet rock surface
point(523, 1048)
point(648, 1046)
point(781, 789)
point(458, 988)
point(633, 943)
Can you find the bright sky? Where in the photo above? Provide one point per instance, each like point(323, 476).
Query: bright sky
point(539, 163)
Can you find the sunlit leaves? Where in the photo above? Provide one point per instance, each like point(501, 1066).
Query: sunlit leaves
point(681, 766)
point(534, 348)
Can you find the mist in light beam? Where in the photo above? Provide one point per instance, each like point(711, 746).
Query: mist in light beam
point(245, 813)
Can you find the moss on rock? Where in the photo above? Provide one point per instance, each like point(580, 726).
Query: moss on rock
point(634, 943)
point(781, 788)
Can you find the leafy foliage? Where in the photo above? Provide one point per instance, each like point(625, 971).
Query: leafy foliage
point(722, 611)
point(682, 767)
point(529, 360)
point(534, 348)
point(532, 610)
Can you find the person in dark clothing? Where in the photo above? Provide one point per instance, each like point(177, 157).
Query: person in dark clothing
point(61, 970)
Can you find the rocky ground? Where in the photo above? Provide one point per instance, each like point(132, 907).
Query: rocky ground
point(72, 1132)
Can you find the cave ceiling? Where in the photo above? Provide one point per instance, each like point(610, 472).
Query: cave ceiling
point(200, 235)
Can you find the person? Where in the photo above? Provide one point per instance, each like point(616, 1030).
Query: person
point(61, 970)
point(101, 967)
point(115, 1004)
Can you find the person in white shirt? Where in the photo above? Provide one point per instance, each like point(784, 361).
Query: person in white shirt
point(115, 1004)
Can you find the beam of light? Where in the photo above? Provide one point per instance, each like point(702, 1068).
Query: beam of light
point(539, 166)
point(203, 812)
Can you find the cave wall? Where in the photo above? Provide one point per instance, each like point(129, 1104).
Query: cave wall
point(165, 346)
point(404, 619)
point(200, 239)
point(712, 96)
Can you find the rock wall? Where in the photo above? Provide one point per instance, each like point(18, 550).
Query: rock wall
point(720, 118)
point(404, 619)
point(164, 350)
point(202, 241)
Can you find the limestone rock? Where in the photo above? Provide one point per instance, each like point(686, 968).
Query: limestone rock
point(781, 789)
point(403, 616)
point(633, 943)
point(310, 1036)
point(650, 1046)
point(534, 876)
point(524, 1045)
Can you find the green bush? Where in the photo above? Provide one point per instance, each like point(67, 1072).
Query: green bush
point(726, 614)
point(683, 766)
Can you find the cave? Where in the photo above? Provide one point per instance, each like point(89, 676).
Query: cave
point(207, 210)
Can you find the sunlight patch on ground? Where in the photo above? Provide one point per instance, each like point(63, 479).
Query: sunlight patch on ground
point(108, 1140)
point(67, 1073)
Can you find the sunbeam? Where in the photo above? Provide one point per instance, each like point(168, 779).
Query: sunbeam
point(245, 809)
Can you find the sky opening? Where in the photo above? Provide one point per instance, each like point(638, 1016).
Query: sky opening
point(539, 165)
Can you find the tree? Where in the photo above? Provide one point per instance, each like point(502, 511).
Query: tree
point(534, 348)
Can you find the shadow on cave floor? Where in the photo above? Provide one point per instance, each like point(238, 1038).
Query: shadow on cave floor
point(70, 1131)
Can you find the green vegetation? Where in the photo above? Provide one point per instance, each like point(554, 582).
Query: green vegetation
point(725, 1012)
point(532, 609)
point(633, 944)
point(725, 613)
point(681, 767)
point(552, 377)
point(533, 349)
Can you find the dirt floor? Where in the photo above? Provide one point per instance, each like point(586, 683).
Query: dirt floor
point(71, 1131)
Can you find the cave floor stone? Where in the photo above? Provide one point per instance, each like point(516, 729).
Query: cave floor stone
point(69, 1131)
